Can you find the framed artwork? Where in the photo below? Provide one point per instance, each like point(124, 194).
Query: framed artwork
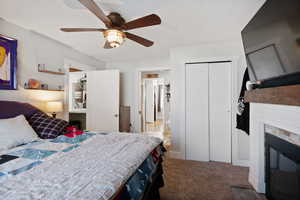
point(8, 63)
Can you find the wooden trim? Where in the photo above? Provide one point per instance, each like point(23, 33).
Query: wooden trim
point(71, 69)
point(44, 89)
point(285, 95)
point(52, 72)
point(151, 76)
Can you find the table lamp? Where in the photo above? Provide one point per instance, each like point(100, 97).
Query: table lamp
point(54, 107)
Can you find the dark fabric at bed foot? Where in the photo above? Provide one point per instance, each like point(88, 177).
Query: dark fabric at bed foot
point(146, 182)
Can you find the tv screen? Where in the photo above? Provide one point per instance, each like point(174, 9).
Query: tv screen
point(272, 40)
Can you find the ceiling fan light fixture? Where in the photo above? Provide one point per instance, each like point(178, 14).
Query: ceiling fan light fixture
point(114, 37)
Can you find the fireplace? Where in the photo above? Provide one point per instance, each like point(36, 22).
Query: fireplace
point(282, 164)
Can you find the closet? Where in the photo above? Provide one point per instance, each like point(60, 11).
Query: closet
point(208, 111)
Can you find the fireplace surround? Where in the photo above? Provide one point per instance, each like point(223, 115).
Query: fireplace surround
point(282, 164)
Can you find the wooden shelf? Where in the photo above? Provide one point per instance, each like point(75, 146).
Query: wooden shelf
point(53, 90)
point(51, 72)
point(71, 69)
point(83, 110)
point(284, 95)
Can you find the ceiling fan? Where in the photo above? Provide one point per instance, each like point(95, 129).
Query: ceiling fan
point(116, 25)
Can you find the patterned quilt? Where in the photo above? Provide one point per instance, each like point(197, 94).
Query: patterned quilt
point(86, 166)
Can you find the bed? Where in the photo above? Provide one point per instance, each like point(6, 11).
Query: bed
point(102, 166)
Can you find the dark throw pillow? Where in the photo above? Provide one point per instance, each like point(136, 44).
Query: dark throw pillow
point(47, 127)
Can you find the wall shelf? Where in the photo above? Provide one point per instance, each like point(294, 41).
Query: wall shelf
point(83, 110)
point(284, 95)
point(51, 72)
point(51, 90)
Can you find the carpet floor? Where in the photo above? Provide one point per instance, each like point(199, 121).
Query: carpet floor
point(191, 180)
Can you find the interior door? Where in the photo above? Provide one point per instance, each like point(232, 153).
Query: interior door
point(220, 111)
point(103, 90)
point(197, 113)
point(143, 107)
point(149, 100)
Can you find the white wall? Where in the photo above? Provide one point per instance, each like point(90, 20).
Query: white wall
point(33, 49)
point(228, 50)
point(129, 87)
point(219, 51)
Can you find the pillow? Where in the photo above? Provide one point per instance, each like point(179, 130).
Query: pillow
point(10, 109)
point(15, 131)
point(47, 127)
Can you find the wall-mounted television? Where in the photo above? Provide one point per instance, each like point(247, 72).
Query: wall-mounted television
point(272, 43)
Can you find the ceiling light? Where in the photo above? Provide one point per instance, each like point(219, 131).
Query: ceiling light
point(114, 37)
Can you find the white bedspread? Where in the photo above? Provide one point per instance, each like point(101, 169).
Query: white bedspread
point(94, 170)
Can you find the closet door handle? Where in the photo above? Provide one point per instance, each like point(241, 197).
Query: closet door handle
point(116, 115)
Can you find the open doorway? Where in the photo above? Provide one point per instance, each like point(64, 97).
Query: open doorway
point(155, 104)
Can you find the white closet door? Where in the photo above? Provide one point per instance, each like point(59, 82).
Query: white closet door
point(103, 90)
point(220, 111)
point(197, 124)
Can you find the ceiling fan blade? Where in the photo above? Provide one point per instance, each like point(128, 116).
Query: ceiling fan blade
point(149, 20)
point(94, 8)
point(82, 29)
point(140, 40)
point(107, 45)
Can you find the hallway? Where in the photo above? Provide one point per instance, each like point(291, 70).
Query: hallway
point(156, 129)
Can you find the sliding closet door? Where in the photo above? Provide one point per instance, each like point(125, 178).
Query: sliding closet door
point(197, 124)
point(220, 111)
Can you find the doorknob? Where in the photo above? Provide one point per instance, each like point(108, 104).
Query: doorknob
point(116, 115)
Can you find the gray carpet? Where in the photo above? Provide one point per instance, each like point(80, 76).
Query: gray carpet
point(191, 180)
point(241, 193)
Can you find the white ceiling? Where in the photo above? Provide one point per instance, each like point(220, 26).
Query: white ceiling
point(184, 22)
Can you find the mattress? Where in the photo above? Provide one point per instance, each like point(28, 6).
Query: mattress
point(87, 166)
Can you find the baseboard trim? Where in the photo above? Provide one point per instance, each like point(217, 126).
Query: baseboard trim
point(242, 163)
point(259, 188)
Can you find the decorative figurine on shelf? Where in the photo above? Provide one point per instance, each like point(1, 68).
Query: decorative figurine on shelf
point(34, 84)
point(41, 67)
point(44, 86)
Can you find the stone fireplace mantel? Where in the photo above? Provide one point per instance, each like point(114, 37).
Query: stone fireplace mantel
point(280, 116)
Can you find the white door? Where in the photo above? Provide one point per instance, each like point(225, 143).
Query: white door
point(149, 100)
point(103, 90)
point(220, 111)
point(143, 107)
point(208, 112)
point(197, 124)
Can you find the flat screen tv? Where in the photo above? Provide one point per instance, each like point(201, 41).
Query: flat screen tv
point(272, 43)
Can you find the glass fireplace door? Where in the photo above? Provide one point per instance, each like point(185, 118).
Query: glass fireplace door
point(282, 170)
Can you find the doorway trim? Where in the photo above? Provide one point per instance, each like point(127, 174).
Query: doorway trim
point(138, 94)
point(236, 81)
point(231, 88)
point(70, 63)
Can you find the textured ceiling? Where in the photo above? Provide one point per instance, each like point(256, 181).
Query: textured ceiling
point(183, 23)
